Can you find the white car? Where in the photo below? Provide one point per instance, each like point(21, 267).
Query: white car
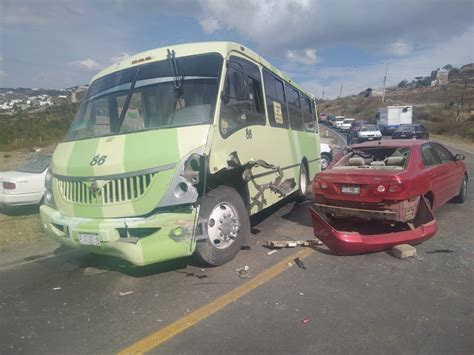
point(346, 124)
point(338, 121)
point(326, 156)
point(368, 132)
point(25, 185)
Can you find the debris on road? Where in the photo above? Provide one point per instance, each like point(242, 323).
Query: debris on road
point(245, 247)
point(244, 272)
point(403, 251)
point(125, 293)
point(305, 321)
point(292, 243)
point(440, 251)
point(301, 294)
point(56, 288)
point(300, 264)
point(271, 252)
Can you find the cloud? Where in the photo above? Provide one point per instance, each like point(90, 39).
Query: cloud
point(119, 57)
point(306, 56)
point(209, 24)
point(457, 52)
point(287, 24)
point(86, 64)
point(400, 48)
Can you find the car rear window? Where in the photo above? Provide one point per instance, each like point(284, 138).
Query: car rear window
point(383, 158)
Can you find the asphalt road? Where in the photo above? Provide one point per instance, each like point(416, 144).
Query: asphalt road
point(373, 303)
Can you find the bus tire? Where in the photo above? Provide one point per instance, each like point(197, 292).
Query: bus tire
point(227, 223)
point(303, 183)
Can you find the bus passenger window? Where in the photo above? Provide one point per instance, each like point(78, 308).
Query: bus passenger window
point(276, 100)
point(294, 109)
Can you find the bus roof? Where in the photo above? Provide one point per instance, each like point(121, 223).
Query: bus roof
point(223, 48)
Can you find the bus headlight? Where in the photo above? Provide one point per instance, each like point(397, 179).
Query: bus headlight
point(48, 186)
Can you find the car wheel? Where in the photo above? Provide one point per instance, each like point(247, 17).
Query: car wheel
point(325, 161)
point(462, 196)
point(227, 224)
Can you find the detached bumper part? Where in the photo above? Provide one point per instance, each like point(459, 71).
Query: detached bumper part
point(366, 237)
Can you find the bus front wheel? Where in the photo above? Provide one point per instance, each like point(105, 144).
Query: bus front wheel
point(227, 226)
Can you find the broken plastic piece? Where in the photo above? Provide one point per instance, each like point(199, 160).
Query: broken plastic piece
point(272, 252)
point(300, 264)
point(292, 243)
point(125, 293)
point(305, 321)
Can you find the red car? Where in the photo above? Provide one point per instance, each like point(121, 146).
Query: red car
point(390, 184)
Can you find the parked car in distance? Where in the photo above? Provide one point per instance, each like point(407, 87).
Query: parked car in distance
point(326, 156)
point(338, 121)
point(408, 131)
point(368, 132)
point(347, 124)
point(24, 185)
point(385, 180)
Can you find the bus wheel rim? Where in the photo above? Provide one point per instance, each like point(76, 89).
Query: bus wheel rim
point(223, 225)
point(303, 181)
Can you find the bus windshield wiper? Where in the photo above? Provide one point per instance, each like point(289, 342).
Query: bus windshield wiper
point(178, 80)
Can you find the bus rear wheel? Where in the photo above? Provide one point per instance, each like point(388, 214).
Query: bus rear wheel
point(303, 184)
point(228, 226)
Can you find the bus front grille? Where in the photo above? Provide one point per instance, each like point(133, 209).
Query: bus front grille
point(105, 192)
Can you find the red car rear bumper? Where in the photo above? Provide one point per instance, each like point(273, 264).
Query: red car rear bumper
point(366, 237)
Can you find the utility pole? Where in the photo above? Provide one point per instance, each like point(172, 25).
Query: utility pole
point(323, 93)
point(384, 82)
point(340, 92)
point(461, 102)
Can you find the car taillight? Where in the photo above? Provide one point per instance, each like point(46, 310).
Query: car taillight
point(9, 185)
point(397, 186)
point(320, 183)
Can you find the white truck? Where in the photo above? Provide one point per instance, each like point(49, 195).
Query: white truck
point(390, 117)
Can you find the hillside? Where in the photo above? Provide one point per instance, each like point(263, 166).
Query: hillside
point(436, 106)
point(38, 127)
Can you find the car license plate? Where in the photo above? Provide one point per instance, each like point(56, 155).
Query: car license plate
point(350, 189)
point(370, 138)
point(89, 239)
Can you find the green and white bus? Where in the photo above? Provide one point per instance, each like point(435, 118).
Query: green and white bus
point(174, 148)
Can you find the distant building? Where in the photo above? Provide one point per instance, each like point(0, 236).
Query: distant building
point(441, 77)
point(371, 92)
point(78, 94)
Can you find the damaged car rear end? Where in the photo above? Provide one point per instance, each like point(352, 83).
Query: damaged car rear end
point(379, 195)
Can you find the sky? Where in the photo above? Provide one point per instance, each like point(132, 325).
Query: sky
point(321, 44)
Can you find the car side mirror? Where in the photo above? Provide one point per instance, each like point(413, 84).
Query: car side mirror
point(459, 157)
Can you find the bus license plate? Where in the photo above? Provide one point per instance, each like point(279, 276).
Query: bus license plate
point(350, 189)
point(89, 239)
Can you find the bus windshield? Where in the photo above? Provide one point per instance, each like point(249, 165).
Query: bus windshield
point(150, 96)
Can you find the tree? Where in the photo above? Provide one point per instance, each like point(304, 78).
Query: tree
point(403, 83)
point(448, 67)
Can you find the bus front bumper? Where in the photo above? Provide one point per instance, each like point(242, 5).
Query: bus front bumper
point(139, 240)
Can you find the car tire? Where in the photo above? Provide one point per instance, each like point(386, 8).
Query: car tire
point(462, 196)
point(303, 183)
point(325, 161)
point(227, 223)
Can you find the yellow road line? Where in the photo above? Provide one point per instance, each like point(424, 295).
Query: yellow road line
point(163, 335)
